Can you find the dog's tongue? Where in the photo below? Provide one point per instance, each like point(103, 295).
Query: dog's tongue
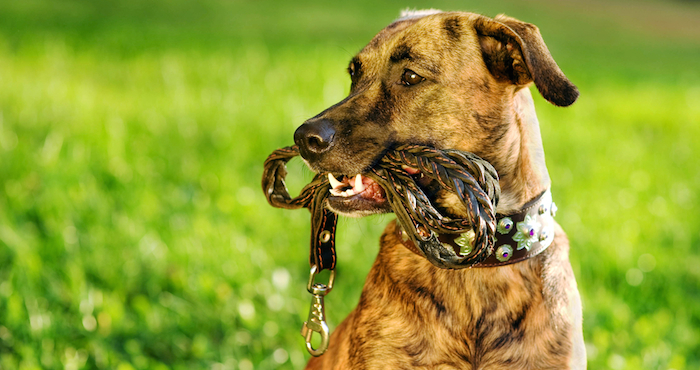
point(410, 170)
point(373, 190)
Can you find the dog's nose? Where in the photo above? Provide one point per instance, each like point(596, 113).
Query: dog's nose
point(314, 138)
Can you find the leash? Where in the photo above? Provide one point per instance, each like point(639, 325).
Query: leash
point(312, 196)
point(323, 225)
point(450, 243)
point(521, 235)
point(471, 178)
point(474, 180)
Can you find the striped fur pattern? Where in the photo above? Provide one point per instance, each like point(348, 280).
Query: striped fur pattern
point(451, 81)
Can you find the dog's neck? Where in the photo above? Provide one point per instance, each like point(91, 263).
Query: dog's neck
point(527, 176)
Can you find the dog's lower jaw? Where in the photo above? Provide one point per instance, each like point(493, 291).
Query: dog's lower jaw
point(414, 315)
point(356, 207)
point(363, 198)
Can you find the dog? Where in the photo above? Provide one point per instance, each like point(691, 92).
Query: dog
point(449, 80)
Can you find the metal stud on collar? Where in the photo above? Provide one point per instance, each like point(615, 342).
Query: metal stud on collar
point(505, 225)
point(504, 252)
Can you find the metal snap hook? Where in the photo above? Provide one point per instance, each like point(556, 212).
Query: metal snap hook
point(316, 321)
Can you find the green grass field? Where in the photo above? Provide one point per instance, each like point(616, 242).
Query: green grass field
point(134, 234)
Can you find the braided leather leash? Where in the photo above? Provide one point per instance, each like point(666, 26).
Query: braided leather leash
point(312, 196)
point(472, 179)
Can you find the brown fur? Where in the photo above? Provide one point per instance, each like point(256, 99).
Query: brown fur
point(473, 98)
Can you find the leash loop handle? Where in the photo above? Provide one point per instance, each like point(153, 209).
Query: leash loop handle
point(316, 322)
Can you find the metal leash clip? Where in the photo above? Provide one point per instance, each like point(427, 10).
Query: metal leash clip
point(317, 313)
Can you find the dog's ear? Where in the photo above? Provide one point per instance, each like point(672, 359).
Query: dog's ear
point(514, 51)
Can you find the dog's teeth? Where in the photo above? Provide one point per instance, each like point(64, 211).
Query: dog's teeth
point(359, 186)
point(347, 193)
point(334, 182)
point(335, 192)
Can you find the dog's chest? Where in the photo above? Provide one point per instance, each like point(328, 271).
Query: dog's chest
point(422, 317)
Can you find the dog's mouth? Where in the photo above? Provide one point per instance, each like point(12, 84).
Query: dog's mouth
point(359, 195)
point(356, 196)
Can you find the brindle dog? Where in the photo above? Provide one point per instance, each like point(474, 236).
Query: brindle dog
point(460, 81)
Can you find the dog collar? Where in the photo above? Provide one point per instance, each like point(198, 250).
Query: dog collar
point(519, 236)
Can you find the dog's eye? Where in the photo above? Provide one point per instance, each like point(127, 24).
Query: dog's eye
point(354, 68)
point(411, 78)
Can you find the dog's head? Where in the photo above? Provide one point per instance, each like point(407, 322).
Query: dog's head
point(446, 80)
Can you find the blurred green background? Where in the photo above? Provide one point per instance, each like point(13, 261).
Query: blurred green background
point(133, 232)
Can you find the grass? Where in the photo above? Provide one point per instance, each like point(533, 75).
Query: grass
point(134, 235)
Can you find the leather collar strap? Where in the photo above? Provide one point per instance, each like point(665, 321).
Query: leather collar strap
point(519, 236)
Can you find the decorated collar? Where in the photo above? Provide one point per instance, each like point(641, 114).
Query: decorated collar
point(519, 236)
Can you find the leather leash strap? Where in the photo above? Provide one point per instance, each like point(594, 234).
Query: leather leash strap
point(471, 178)
point(312, 196)
point(322, 250)
point(323, 225)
